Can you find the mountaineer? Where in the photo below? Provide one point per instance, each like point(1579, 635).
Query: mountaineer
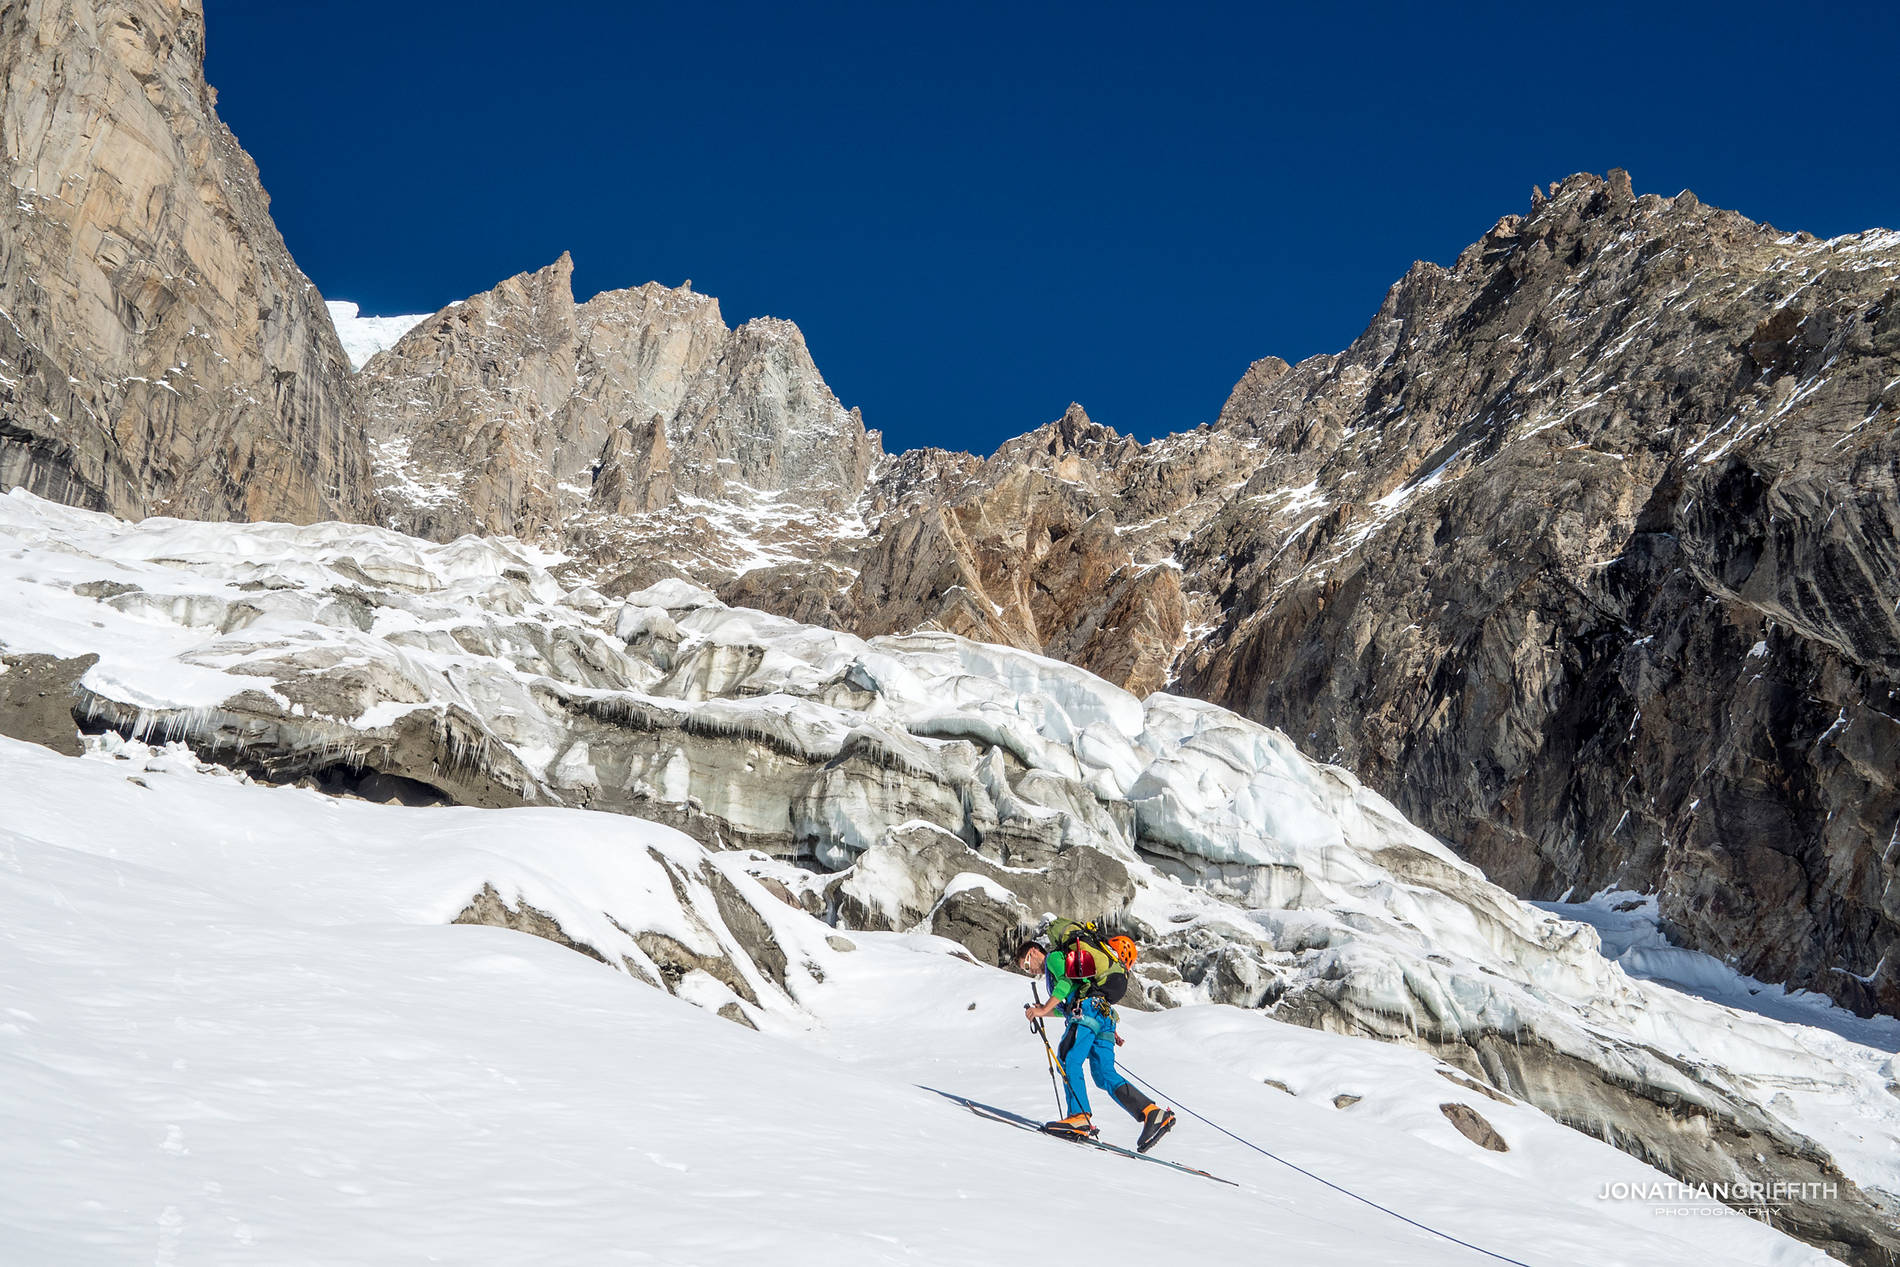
point(1087, 976)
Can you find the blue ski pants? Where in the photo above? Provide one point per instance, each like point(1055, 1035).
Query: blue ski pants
point(1089, 1040)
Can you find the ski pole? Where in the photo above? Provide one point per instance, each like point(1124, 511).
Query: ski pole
point(1036, 1025)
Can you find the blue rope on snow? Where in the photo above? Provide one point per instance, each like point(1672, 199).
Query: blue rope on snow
point(1157, 1093)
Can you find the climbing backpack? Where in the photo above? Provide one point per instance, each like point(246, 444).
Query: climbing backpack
point(1085, 957)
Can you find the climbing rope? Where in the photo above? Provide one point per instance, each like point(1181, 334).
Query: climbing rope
point(1157, 1093)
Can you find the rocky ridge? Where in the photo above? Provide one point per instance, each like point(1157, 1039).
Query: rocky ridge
point(612, 427)
point(1627, 457)
point(160, 353)
point(1585, 552)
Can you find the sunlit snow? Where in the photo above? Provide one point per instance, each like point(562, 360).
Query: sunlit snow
point(236, 1028)
point(364, 337)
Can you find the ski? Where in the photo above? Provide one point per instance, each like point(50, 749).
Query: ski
point(1017, 1120)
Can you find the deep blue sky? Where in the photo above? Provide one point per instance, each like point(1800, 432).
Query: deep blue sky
point(978, 213)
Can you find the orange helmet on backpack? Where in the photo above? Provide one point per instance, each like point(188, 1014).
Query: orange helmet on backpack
point(1123, 949)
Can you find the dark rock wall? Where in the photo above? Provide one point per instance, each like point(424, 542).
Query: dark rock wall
point(1604, 587)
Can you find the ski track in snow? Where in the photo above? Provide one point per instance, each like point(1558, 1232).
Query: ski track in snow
point(234, 1028)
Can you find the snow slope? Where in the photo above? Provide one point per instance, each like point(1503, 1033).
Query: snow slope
point(1630, 928)
point(235, 1028)
point(337, 635)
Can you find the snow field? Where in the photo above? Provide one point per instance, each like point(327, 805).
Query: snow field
point(185, 615)
point(234, 1028)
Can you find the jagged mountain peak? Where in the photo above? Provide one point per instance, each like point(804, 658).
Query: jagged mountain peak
point(1618, 444)
point(681, 301)
point(646, 389)
point(1074, 436)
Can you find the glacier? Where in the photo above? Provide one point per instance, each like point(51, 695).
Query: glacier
point(912, 785)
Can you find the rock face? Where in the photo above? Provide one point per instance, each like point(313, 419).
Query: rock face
point(1585, 553)
point(36, 699)
point(1059, 543)
point(1063, 542)
point(159, 351)
point(608, 423)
